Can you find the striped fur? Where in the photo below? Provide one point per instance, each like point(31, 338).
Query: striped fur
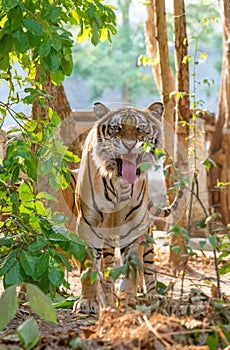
point(66, 202)
point(112, 194)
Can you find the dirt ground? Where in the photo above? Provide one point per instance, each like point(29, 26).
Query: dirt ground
point(175, 321)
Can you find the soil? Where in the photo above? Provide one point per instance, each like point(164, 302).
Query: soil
point(175, 321)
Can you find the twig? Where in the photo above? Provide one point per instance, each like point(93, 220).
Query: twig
point(168, 344)
point(222, 335)
point(191, 331)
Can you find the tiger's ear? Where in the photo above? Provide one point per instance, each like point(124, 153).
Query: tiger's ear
point(157, 109)
point(100, 110)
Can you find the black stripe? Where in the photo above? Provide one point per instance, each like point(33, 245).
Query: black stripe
point(103, 128)
point(106, 194)
point(92, 191)
point(147, 253)
point(148, 262)
point(109, 189)
point(91, 227)
point(142, 189)
point(105, 255)
point(136, 207)
point(132, 229)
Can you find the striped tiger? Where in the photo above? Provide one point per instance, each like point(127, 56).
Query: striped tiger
point(113, 204)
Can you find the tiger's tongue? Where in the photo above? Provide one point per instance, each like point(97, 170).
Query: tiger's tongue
point(129, 167)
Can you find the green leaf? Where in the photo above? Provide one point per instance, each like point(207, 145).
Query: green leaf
point(176, 249)
point(53, 60)
point(8, 306)
point(31, 163)
point(67, 64)
point(202, 244)
point(159, 153)
point(208, 162)
point(33, 26)
point(6, 241)
point(26, 192)
point(40, 303)
point(96, 33)
point(37, 246)
point(78, 250)
point(45, 47)
point(62, 259)
point(28, 333)
point(58, 237)
point(41, 264)
point(6, 44)
point(45, 166)
point(225, 268)
point(57, 77)
point(14, 275)
point(212, 341)
point(15, 174)
point(161, 288)
point(8, 5)
point(93, 276)
point(115, 272)
point(213, 240)
point(70, 157)
point(65, 303)
point(28, 262)
point(56, 272)
point(8, 262)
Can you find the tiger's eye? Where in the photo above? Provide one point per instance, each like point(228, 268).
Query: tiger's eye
point(116, 127)
point(141, 127)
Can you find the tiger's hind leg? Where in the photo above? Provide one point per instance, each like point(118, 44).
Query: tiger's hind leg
point(149, 270)
point(88, 303)
point(129, 282)
point(108, 261)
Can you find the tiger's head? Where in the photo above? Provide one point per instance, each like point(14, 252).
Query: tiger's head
point(121, 137)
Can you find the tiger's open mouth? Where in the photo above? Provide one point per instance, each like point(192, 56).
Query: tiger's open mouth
point(129, 167)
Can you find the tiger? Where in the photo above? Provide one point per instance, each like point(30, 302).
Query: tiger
point(114, 206)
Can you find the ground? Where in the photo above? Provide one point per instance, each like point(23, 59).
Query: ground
point(187, 320)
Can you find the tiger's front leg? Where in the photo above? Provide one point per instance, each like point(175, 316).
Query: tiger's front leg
point(88, 302)
point(101, 291)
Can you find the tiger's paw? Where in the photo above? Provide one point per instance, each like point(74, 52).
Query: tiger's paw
point(86, 306)
point(157, 299)
point(128, 298)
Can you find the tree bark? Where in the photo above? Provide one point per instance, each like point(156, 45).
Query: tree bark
point(219, 147)
point(157, 50)
point(59, 102)
point(183, 115)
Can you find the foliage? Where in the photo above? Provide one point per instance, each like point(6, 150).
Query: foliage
point(33, 33)
point(30, 231)
point(38, 302)
point(35, 246)
point(116, 67)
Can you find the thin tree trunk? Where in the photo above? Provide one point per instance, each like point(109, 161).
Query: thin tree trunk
point(183, 114)
point(157, 50)
point(219, 147)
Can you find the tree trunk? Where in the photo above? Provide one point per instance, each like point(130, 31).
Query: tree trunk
point(157, 50)
point(219, 147)
point(183, 114)
point(61, 106)
point(59, 102)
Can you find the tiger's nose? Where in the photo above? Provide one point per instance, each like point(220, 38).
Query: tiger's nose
point(129, 144)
